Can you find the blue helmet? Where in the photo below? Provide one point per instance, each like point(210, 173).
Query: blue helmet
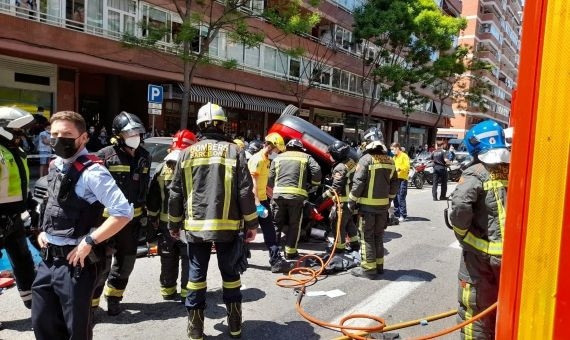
point(486, 141)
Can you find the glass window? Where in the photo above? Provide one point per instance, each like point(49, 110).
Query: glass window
point(75, 13)
point(214, 49)
point(294, 68)
point(344, 79)
point(252, 56)
point(338, 35)
point(269, 58)
point(235, 51)
point(336, 78)
point(352, 83)
point(282, 61)
point(326, 77)
point(114, 21)
point(94, 14)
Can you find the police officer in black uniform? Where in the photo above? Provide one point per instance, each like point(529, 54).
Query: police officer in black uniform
point(129, 164)
point(79, 187)
point(440, 161)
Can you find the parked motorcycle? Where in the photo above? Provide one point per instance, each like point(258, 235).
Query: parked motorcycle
point(416, 175)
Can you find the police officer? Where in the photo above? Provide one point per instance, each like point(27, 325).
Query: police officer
point(14, 200)
point(171, 251)
point(212, 193)
point(79, 187)
point(129, 164)
point(478, 219)
point(440, 162)
point(342, 174)
point(258, 166)
point(375, 183)
point(290, 174)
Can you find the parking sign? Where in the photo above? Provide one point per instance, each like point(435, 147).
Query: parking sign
point(155, 93)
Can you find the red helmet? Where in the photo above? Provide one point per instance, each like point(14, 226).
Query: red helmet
point(182, 139)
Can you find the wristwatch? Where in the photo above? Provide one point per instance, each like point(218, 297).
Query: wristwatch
point(90, 241)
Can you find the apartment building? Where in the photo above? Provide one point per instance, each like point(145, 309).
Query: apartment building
point(67, 54)
point(493, 32)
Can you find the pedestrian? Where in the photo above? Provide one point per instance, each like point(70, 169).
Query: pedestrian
point(44, 150)
point(79, 188)
point(290, 175)
point(451, 153)
point(14, 199)
point(375, 183)
point(342, 174)
point(478, 217)
point(103, 137)
point(440, 162)
point(258, 166)
point(215, 166)
point(402, 163)
point(129, 164)
point(93, 145)
point(171, 251)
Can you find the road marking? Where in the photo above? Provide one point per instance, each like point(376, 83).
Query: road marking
point(380, 302)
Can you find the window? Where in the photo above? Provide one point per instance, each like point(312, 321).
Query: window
point(352, 83)
point(281, 66)
point(336, 78)
point(343, 38)
point(235, 51)
point(156, 18)
point(294, 68)
point(252, 56)
point(255, 5)
point(326, 76)
point(344, 80)
point(269, 58)
point(121, 17)
point(491, 28)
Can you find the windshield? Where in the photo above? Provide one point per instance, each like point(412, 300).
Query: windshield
point(157, 151)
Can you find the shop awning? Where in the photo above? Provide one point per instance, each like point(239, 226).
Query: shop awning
point(260, 104)
point(202, 94)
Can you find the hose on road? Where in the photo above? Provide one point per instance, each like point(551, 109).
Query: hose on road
point(300, 277)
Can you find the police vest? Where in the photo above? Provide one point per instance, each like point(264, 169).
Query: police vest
point(14, 178)
point(66, 214)
point(130, 173)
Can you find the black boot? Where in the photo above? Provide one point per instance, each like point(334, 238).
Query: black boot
point(113, 305)
point(234, 319)
point(355, 246)
point(196, 324)
point(379, 269)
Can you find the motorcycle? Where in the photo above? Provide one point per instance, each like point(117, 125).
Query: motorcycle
point(416, 175)
point(454, 172)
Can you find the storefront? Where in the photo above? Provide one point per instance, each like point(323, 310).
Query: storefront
point(418, 136)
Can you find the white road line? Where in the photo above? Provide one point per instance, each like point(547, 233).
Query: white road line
point(380, 302)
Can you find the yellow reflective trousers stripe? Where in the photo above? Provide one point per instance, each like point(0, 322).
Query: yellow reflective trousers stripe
point(174, 218)
point(466, 296)
point(110, 291)
point(363, 263)
point(120, 168)
point(196, 285)
point(165, 291)
point(491, 248)
point(231, 284)
point(374, 201)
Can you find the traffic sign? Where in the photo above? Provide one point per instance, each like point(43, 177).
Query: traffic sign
point(157, 112)
point(155, 93)
point(154, 106)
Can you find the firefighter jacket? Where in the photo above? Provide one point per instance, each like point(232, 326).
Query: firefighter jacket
point(159, 192)
point(130, 173)
point(375, 183)
point(478, 208)
point(290, 174)
point(212, 191)
point(14, 179)
point(342, 175)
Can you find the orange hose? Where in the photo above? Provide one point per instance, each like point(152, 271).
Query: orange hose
point(301, 277)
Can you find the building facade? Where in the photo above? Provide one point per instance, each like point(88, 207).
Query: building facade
point(493, 34)
point(67, 55)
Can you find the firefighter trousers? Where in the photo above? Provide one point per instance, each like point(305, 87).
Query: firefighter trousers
point(61, 308)
point(288, 212)
point(478, 289)
point(347, 226)
point(172, 253)
point(119, 266)
point(20, 257)
point(371, 227)
point(199, 257)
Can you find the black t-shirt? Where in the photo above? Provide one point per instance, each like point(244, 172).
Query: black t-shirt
point(438, 158)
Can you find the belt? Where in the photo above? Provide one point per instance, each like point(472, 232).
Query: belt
point(53, 251)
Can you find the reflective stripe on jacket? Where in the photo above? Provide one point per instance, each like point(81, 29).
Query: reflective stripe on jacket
point(158, 193)
point(13, 188)
point(342, 176)
point(478, 208)
point(375, 182)
point(290, 174)
point(212, 191)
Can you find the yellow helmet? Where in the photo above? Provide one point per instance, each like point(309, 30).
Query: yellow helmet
point(239, 143)
point(277, 141)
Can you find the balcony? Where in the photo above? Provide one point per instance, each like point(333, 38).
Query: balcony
point(453, 7)
point(490, 56)
point(491, 16)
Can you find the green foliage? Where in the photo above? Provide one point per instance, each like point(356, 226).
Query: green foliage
point(230, 64)
point(289, 16)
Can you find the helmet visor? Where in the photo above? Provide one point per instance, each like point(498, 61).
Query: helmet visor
point(495, 156)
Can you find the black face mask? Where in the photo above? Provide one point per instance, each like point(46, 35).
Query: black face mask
point(64, 147)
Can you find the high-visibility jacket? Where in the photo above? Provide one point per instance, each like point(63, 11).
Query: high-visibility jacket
point(290, 174)
point(211, 191)
point(342, 176)
point(14, 179)
point(159, 192)
point(375, 182)
point(130, 173)
point(478, 208)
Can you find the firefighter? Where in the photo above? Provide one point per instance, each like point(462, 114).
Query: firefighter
point(211, 195)
point(258, 166)
point(375, 184)
point(478, 219)
point(14, 199)
point(129, 165)
point(171, 251)
point(342, 174)
point(290, 175)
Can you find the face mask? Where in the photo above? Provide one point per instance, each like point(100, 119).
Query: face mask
point(64, 147)
point(133, 141)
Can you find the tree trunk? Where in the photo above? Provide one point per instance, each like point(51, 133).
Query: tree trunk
point(407, 132)
point(185, 107)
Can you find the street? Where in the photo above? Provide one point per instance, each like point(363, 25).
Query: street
point(422, 258)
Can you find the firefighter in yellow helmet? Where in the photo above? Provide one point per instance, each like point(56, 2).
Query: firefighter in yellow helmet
point(210, 195)
point(290, 175)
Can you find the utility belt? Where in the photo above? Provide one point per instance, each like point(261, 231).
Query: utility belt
point(54, 252)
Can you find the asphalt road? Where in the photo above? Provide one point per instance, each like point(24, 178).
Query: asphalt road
point(421, 262)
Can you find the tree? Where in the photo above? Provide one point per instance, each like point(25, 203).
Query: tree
point(204, 20)
point(399, 39)
point(458, 76)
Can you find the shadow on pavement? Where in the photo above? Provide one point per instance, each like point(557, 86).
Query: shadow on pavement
point(258, 329)
point(412, 275)
point(418, 219)
point(390, 235)
point(22, 325)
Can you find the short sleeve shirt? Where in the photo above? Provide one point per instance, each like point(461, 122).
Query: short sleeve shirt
point(258, 166)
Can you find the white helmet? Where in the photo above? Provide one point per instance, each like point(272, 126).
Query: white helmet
point(13, 118)
point(211, 112)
